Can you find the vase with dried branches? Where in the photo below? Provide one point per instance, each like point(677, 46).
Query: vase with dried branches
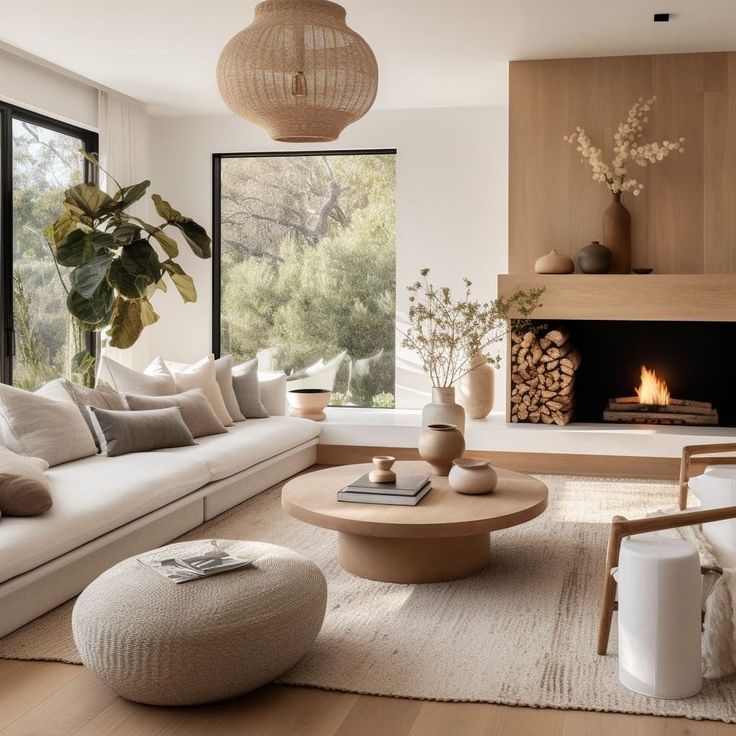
point(454, 337)
point(627, 148)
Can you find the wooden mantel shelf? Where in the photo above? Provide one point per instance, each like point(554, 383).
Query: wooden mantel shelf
point(656, 297)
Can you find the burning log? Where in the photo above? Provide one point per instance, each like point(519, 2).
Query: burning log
point(654, 405)
point(543, 377)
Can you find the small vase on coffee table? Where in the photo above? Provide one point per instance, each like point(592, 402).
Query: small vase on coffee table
point(439, 445)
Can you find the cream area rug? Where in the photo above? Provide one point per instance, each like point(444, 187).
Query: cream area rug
point(522, 632)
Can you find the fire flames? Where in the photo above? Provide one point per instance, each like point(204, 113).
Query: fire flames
point(652, 390)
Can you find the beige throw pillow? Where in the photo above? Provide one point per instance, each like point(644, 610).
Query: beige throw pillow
point(102, 397)
point(35, 425)
point(196, 410)
point(272, 387)
point(24, 489)
point(156, 380)
point(247, 390)
point(204, 376)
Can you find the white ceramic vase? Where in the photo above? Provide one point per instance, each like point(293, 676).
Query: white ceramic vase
point(472, 475)
point(443, 409)
point(477, 388)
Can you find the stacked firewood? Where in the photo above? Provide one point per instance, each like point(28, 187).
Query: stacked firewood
point(543, 369)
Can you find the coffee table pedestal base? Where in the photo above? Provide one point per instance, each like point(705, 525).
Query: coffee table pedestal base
point(417, 560)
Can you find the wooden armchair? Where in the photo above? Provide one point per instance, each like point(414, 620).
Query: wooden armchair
point(622, 527)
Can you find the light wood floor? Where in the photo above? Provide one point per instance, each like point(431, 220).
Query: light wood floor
point(51, 699)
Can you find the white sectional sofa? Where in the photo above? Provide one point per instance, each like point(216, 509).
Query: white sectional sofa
point(109, 508)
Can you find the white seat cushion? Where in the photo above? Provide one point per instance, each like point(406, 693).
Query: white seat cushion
point(249, 443)
point(94, 496)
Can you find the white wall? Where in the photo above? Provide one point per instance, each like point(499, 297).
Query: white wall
point(39, 88)
point(451, 207)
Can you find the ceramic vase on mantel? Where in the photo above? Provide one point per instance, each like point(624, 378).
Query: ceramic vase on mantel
point(443, 409)
point(476, 388)
point(617, 235)
point(439, 445)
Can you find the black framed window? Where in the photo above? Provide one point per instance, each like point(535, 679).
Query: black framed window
point(39, 159)
point(304, 270)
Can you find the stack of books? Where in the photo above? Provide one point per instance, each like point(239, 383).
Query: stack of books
point(406, 490)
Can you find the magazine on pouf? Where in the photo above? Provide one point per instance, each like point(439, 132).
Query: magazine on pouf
point(194, 566)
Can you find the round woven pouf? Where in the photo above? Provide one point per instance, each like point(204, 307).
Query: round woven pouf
point(157, 642)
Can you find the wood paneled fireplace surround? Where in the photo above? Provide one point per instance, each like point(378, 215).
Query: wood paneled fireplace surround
point(681, 327)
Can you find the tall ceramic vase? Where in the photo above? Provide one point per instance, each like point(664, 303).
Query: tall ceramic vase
point(617, 235)
point(476, 388)
point(443, 409)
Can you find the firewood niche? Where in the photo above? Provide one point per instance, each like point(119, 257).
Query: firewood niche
point(543, 368)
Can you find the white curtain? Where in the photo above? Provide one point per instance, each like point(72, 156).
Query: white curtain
point(124, 153)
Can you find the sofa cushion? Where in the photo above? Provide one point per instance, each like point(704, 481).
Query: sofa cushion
point(203, 375)
point(196, 410)
point(36, 425)
point(247, 390)
point(24, 489)
point(154, 381)
point(248, 443)
point(94, 496)
point(272, 387)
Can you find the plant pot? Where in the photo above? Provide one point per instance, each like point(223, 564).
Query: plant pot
point(443, 409)
point(617, 235)
point(595, 258)
point(472, 476)
point(476, 389)
point(554, 262)
point(309, 403)
point(439, 445)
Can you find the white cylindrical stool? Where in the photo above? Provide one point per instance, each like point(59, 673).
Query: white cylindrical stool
point(716, 488)
point(659, 589)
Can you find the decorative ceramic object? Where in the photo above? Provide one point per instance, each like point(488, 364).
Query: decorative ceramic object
point(298, 71)
point(595, 258)
point(439, 445)
point(476, 388)
point(617, 233)
point(382, 472)
point(554, 262)
point(472, 475)
point(443, 409)
point(309, 403)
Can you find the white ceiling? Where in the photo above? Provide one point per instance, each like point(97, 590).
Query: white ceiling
point(431, 53)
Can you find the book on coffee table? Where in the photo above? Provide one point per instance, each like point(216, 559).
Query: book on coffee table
point(404, 485)
point(356, 495)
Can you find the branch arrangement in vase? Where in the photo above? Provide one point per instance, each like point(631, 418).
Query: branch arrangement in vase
point(115, 269)
point(449, 335)
point(627, 148)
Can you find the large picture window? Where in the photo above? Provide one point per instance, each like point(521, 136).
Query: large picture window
point(305, 269)
point(40, 159)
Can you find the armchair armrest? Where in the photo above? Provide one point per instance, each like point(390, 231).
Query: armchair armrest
point(688, 452)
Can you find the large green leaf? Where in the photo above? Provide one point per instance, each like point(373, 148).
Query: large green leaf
point(74, 249)
point(85, 279)
point(126, 324)
point(128, 195)
point(148, 314)
point(87, 199)
point(94, 311)
point(129, 284)
point(63, 225)
point(101, 241)
point(195, 235)
point(167, 243)
point(125, 233)
point(139, 258)
point(184, 283)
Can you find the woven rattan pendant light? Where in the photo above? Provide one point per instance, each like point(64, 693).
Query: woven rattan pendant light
point(298, 71)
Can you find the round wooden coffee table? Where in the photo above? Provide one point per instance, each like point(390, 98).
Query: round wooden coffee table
point(446, 536)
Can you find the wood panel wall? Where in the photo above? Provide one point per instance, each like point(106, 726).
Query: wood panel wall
point(684, 221)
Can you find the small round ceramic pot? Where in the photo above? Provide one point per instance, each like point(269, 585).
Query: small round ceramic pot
point(382, 472)
point(309, 403)
point(439, 445)
point(472, 475)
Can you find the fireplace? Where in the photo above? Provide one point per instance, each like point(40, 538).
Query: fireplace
point(692, 363)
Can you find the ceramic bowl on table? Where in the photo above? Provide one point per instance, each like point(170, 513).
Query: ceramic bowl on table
point(472, 475)
point(309, 403)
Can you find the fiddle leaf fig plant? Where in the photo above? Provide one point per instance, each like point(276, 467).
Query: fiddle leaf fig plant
point(115, 265)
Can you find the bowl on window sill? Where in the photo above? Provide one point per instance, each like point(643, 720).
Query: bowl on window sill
point(309, 403)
